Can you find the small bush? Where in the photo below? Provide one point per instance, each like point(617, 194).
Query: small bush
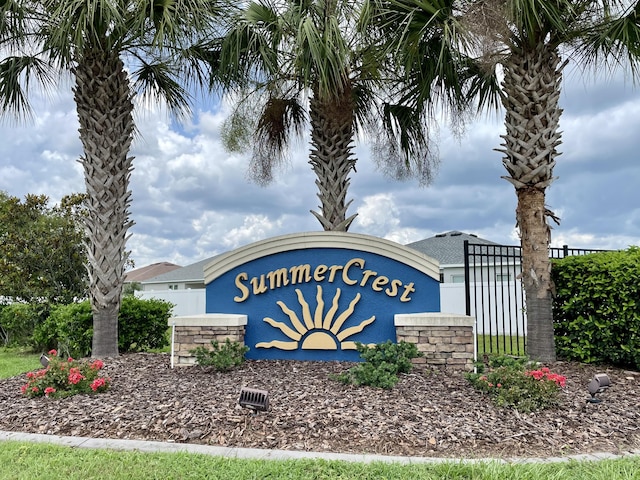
point(63, 378)
point(382, 364)
point(222, 357)
point(142, 325)
point(510, 382)
point(18, 322)
point(69, 329)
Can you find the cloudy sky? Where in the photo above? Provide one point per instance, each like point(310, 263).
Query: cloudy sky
point(192, 200)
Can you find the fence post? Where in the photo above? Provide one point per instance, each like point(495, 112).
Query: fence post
point(467, 280)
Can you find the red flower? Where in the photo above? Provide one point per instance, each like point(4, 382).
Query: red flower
point(96, 365)
point(23, 388)
point(53, 352)
point(97, 383)
point(49, 390)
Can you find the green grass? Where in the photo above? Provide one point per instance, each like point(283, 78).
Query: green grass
point(14, 361)
point(21, 460)
point(501, 344)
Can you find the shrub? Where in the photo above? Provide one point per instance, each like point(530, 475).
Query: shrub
point(222, 357)
point(510, 382)
point(18, 321)
point(142, 325)
point(597, 307)
point(69, 329)
point(382, 364)
point(63, 378)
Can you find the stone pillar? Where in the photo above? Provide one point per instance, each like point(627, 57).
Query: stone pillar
point(447, 340)
point(190, 332)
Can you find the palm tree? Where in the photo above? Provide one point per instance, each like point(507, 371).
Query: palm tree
point(289, 61)
point(524, 39)
point(97, 42)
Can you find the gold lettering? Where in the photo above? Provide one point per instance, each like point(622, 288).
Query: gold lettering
point(407, 290)
point(243, 289)
point(318, 273)
point(332, 272)
point(392, 291)
point(300, 274)
point(258, 288)
point(345, 273)
point(366, 275)
point(379, 282)
point(278, 278)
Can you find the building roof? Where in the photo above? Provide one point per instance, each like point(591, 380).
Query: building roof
point(447, 248)
point(190, 273)
point(144, 273)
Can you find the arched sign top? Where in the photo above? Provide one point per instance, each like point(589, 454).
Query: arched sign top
point(306, 240)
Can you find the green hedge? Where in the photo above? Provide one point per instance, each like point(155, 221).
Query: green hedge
point(597, 307)
point(18, 321)
point(142, 325)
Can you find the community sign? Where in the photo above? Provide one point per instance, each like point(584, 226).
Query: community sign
point(313, 296)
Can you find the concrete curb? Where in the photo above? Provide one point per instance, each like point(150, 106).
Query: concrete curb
point(260, 454)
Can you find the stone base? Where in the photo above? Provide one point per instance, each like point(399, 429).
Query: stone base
point(445, 339)
point(191, 332)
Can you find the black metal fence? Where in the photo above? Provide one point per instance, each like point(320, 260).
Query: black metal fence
point(494, 294)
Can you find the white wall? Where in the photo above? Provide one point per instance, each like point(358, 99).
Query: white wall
point(186, 302)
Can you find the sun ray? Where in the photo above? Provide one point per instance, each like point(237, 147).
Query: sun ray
point(288, 331)
point(306, 312)
point(293, 317)
point(346, 333)
point(348, 346)
point(332, 311)
point(319, 308)
point(278, 344)
point(344, 315)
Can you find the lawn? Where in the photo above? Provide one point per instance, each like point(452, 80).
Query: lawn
point(14, 361)
point(19, 460)
point(501, 344)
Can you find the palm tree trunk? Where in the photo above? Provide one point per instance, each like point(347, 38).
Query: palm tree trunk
point(536, 273)
point(104, 104)
point(331, 157)
point(532, 89)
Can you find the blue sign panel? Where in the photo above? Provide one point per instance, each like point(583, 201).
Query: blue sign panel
point(316, 302)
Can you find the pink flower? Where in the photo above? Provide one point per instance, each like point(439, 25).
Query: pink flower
point(75, 376)
point(69, 359)
point(96, 365)
point(97, 383)
point(35, 389)
point(499, 385)
point(23, 388)
point(31, 375)
point(49, 390)
point(53, 352)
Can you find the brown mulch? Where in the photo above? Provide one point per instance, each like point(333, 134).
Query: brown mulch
point(429, 413)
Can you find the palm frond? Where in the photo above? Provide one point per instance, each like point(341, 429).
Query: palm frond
point(160, 81)
point(16, 77)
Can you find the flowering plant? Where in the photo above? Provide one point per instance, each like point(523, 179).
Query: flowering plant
point(63, 378)
point(510, 383)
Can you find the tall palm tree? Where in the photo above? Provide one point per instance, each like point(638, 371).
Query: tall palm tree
point(525, 40)
point(321, 61)
point(528, 39)
point(97, 42)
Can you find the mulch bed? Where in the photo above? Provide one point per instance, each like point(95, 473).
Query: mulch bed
point(429, 413)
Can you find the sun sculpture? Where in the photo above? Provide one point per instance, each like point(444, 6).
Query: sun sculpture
point(319, 331)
